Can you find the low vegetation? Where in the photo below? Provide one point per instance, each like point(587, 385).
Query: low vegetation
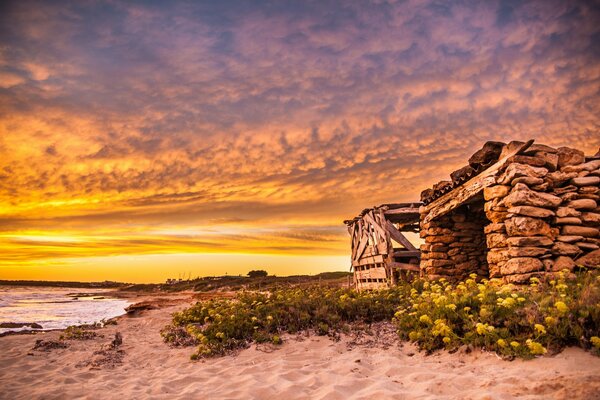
point(514, 321)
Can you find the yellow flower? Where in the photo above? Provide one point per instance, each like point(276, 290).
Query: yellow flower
point(540, 328)
point(451, 306)
point(467, 309)
point(595, 341)
point(446, 339)
point(535, 348)
point(550, 321)
point(481, 328)
point(269, 318)
point(561, 307)
point(425, 319)
point(501, 343)
point(514, 344)
point(521, 299)
point(413, 336)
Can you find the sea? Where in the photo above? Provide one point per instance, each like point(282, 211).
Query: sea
point(56, 308)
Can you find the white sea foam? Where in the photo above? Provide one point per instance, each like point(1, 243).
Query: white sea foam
point(53, 308)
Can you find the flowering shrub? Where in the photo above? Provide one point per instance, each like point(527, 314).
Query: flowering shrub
point(522, 321)
point(514, 321)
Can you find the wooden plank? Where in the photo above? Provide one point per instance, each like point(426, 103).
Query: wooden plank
point(369, 217)
point(372, 273)
point(407, 254)
point(368, 260)
point(398, 236)
point(459, 195)
point(364, 241)
point(406, 266)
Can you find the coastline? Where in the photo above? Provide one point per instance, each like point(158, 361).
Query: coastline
point(305, 366)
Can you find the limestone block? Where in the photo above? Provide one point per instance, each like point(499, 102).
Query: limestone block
point(527, 251)
point(520, 278)
point(521, 265)
point(565, 189)
point(528, 197)
point(569, 239)
point(530, 211)
point(527, 226)
point(588, 166)
point(567, 212)
point(565, 249)
point(590, 260)
point(569, 156)
point(535, 241)
point(496, 216)
point(560, 177)
point(567, 221)
point(550, 159)
point(527, 180)
point(563, 262)
point(495, 256)
point(516, 170)
point(590, 218)
point(585, 246)
point(586, 181)
point(584, 231)
point(494, 227)
point(582, 204)
point(495, 240)
point(528, 160)
point(497, 191)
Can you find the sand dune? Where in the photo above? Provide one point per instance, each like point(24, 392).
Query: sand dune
point(310, 368)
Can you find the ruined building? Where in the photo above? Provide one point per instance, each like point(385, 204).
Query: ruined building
point(517, 210)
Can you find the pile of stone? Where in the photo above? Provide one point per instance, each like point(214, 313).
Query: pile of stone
point(455, 244)
point(543, 211)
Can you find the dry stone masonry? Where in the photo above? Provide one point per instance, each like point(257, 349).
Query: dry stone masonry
point(538, 212)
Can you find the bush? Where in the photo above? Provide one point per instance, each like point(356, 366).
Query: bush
point(259, 273)
point(514, 321)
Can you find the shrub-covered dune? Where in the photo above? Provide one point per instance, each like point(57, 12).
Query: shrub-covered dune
point(514, 321)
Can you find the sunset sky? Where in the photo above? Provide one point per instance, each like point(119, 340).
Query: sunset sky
point(145, 140)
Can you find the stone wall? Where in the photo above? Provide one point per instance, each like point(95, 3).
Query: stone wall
point(455, 243)
point(542, 215)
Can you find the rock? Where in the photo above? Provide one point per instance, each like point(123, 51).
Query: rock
point(569, 239)
point(496, 217)
point(537, 147)
point(563, 262)
point(494, 227)
point(585, 246)
point(10, 325)
point(541, 188)
point(462, 175)
point(588, 166)
point(584, 231)
point(568, 221)
point(567, 197)
point(582, 204)
point(528, 160)
point(427, 195)
point(560, 177)
point(494, 192)
point(527, 180)
point(565, 189)
point(527, 251)
point(521, 265)
point(527, 197)
point(550, 159)
point(520, 278)
point(524, 241)
point(530, 211)
point(569, 156)
point(590, 260)
point(526, 226)
point(565, 249)
point(517, 170)
point(489, 153)
point(586, 181)
point(437, 263)
point(494, 256)
point(567, 212)
point(495, 240)
point(589, 190)
point(138, 307)
point(440, 239)
point(590, 218)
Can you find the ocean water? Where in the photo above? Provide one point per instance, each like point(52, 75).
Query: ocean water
point(56, 308)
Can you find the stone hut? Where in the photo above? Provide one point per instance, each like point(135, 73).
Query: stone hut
point(518, 210)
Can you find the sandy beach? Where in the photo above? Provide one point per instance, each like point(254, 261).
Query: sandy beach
point(304, 367)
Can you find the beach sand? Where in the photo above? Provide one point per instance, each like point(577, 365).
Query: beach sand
point(308, 367)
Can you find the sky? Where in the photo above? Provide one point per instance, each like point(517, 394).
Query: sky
point(141, 141)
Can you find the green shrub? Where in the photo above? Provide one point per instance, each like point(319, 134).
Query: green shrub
point(514, 321)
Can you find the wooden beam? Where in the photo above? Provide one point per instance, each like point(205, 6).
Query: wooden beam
point(459, 195)
point(398, 236)
point(368, 260)
point(409, 254)
point(372, 273)
point(369, 218)
point(406, 266)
